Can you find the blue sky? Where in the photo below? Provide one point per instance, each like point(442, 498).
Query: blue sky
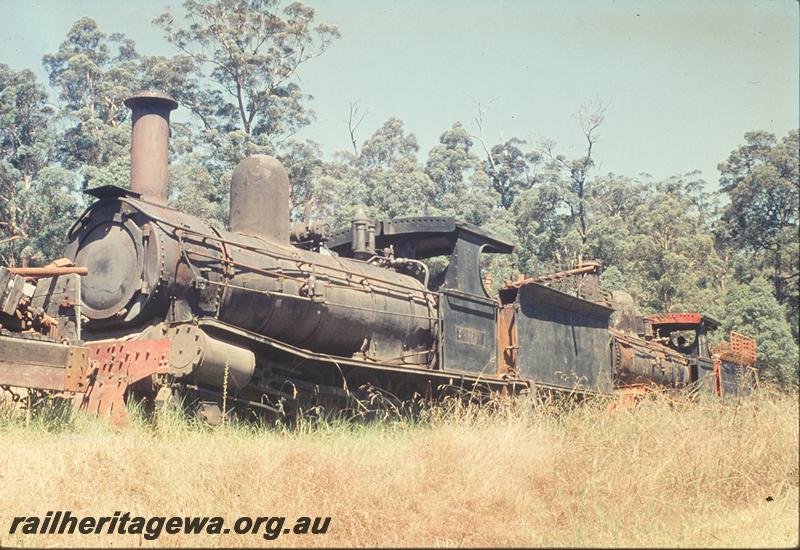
point(683, 81)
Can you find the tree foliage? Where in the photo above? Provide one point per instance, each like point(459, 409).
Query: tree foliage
point(235, 67)
point(460, 186)
point(36, 202)
point(751, 309)
point(762, 181)
point(244, 59)
point(236, 70)
point(658, 241)
point(93, 74)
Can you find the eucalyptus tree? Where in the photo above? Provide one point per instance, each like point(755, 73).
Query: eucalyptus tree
point(236, 71)
point(762, 181)
point(93, 72)
point(37, 199)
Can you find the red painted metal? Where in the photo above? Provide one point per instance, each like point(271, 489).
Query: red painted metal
point(114, 367)
point(744, 347)
point(676, 319)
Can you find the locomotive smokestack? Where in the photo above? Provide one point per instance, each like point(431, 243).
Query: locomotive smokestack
point(260, 199)
point(150, 144)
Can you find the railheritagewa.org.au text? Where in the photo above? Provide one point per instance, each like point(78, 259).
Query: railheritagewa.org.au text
point(151, 528)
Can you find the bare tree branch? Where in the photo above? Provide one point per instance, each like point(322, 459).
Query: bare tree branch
point(591, 115)
point(353, 122)
point(482, 139)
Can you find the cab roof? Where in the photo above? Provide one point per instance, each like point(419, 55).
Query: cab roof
point(682, 321)
point(422, 237)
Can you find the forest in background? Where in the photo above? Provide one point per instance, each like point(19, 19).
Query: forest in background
point(673, 244)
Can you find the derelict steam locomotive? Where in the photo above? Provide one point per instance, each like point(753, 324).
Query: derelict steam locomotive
point(269, 315)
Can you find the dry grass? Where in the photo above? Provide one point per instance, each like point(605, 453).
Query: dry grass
point(662, 474)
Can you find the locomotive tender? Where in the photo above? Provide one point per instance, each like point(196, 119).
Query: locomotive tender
point(271, 314)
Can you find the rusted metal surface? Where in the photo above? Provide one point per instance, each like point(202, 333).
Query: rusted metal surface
point(58, 301)
point(47, 271)
point(363, 235)
point(585, 268)
point(115, 366)
point(208, 361)
point(48, 306)
point(638, 362)
point(470, 332)
point(563, 339)
point(254, 179)
point(265, 310)
point(299, 359)
point(12, 289)
point(309, 235)
point(507, 341)
point(582, 281)
point(744, 347)
point(626, 398)
point(734, 380)
point(740, 349)
point(733, 365)
point(676, 319)
point(718, 382)
point(43, 365)
point(173, 264)
point(150, 144)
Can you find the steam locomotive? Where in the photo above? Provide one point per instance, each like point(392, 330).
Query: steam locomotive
point(271, 315)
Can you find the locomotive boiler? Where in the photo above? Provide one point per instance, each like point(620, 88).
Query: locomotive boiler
point(148, 262)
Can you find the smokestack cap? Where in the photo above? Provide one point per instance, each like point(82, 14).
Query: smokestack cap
point(151, 96)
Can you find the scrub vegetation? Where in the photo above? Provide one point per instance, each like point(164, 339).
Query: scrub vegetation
point(526, 473)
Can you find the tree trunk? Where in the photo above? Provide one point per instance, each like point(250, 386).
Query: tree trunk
point(776, 278)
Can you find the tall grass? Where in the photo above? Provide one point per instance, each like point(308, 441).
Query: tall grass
point(520, 473)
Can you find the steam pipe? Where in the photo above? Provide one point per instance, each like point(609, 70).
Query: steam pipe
point(150, 144)
point(47, 271)
point(585, 268)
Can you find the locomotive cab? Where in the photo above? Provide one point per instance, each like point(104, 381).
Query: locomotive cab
point(469, 314)
point(686, 333)
point(423, 238)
